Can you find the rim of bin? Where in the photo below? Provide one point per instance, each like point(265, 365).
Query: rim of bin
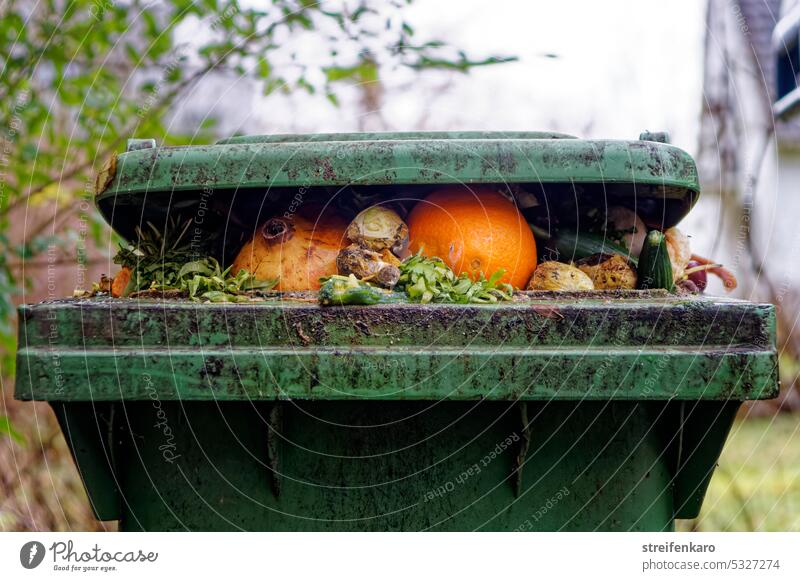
point(253, 165)
point(399, 158)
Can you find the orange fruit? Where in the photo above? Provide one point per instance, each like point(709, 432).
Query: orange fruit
point(475, 230)
point(120, 282)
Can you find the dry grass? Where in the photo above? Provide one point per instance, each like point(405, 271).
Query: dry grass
point(40, 489)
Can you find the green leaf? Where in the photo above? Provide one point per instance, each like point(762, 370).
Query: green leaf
point(429, 279)
point(334, 74)
point(216, 296)
point(195, 267)
point(264, 69)
point(7, 429)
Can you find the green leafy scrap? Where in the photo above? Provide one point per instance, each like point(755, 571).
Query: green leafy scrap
point(428, 279)
point(348, 290)
point(165, 262)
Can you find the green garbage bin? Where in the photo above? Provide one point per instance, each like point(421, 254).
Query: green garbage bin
point(602, 411)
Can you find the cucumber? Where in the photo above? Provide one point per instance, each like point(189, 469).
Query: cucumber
point(572, 245)
point(654, 268)
point(348, 290)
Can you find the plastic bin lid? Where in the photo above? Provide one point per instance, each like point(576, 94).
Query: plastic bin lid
point(647, 168)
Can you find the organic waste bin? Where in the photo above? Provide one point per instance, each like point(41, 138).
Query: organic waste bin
point(603, 410)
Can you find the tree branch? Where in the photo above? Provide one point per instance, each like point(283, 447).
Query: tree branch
point(117, 141)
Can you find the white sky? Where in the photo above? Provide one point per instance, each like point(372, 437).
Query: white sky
point(622, 67)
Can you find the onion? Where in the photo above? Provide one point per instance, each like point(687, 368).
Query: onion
point(728, 278)
point(297, 250)
point(679, 251)
point(379, 228)
point(699, 276)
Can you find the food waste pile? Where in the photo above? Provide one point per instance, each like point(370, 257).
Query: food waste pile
point(457, 244)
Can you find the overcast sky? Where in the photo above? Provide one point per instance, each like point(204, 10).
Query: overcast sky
point(619, 67)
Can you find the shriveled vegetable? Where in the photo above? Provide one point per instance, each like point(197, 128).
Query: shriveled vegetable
point(348, 290)
point(379, 228)
point(296, 250)
point(429, 279)
point(679, 251)
point(389, 258)
point(367, 265)
point(608, 271)
point(626, 228)
point(558, 276)
point(655, 268)
point(727, 277)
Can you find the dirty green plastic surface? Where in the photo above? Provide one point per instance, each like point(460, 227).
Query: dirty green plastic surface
point(552, 412)
point(243, 178)
point(532, 349)
point(542, 414)
point(396, 466)
point(382, 159)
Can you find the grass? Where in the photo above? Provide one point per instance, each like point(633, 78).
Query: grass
point(40, 488)
point(757, 484)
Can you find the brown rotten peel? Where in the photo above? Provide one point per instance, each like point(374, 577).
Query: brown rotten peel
point(679, 251)
point(277, 230)
point(368, 265)
point(608, 271)
point(389, 258)
point(120, 282)
point(297, 250)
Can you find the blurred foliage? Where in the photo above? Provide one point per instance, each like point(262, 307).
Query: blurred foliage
point(7, 429)
point(81, 76)
point(78, 78)
point(40, 488)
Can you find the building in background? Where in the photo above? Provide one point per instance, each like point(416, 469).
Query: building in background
point(749, 163)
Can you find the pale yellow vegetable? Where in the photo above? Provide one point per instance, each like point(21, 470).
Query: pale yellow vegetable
point(558, 276)
point(608, 271)
point(679, 252)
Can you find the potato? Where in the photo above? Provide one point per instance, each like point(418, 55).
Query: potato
point(608, 271)
point(558, 276)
